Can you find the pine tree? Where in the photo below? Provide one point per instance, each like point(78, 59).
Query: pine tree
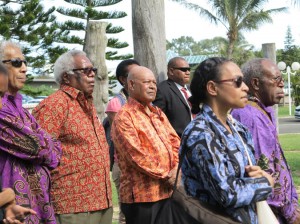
point(289, 41)
point(27, 22)
point(90, 10)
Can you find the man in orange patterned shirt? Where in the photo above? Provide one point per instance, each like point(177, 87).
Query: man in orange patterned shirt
point(147, 150)
point(81, 189)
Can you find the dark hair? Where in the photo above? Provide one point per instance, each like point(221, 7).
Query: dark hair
point(206, 71)
point(3, 70)
point(122, 67)
point(172, 62)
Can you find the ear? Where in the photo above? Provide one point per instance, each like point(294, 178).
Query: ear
point(65, 78)
point(212, 89)
point(130, 84)
point(170, 71)
point(254, 83)
point(123, 80)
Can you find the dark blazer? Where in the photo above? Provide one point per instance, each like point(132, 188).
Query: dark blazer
point(173, 104)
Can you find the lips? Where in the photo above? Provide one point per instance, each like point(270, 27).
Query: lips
point(281, 94)
point(21, 79)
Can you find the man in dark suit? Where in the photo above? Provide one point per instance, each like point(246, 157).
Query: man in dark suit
point(172, 94)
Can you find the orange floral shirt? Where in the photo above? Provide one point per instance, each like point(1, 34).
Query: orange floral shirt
point(81, 182)
point(147, 150)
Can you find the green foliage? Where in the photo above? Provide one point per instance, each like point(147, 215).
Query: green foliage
point(112, 83)
point(290, 54)
point(186, 45)
point(34, 28)
point(90, 10)
point(235, 15)
point(42, 90)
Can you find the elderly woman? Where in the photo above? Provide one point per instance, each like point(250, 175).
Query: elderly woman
point(217, 148)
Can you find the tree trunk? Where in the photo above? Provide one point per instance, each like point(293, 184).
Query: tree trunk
point(269, 51)
point(149, 37)
point(96, 42)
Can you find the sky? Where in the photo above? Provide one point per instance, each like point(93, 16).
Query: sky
point(180, 21)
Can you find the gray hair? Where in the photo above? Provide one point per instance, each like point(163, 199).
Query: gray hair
point(65, 63)
point(253, 69)
point(5, 44)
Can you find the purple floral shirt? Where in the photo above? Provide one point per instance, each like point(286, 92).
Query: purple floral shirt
point(27, 153)
point(262, 124)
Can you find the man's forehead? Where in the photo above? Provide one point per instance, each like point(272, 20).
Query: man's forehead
point(15, 52)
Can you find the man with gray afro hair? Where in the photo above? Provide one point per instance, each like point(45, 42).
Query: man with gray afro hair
point(81, 190)
point(65, 64)
point(266, 83)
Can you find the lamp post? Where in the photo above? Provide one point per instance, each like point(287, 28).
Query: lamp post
point(295, 66)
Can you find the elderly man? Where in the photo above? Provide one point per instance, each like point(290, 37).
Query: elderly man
point(147, 150)
point(27, 152)
point(172, 94)
point(81, 190)
point(12, 211)
point(265, 84)
point(113, 106)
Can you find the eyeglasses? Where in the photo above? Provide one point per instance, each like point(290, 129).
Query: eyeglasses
point(86, 71)
point(238, 81)
point(183, 69)
point(17, 63)
point(278, 79)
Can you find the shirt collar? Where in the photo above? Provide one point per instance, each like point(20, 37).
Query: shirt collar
point(261, 105)
point(137, 104)
point(17, 99)
point(72, 92)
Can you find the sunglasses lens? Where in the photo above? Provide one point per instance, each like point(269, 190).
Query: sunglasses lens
point(239, 82)
point(94, 70)
point(18, 63)
point(184, 69)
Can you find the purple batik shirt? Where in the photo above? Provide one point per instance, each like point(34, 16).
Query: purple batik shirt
point(27, 153)
point(261, 122)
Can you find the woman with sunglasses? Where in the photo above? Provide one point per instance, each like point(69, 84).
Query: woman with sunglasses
point(214, 146)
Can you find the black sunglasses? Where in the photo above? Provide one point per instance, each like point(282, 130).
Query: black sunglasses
point(238, 81)
point(17, 63)
point(86, 71)
point(183, 69)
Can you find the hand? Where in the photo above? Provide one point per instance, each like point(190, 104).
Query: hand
point(257, 172)
point(6, 196)
point(16, 214)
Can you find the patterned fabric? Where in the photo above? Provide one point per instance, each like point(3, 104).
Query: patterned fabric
point(27, 153)
point(82, 181)
point(261, 122)
point(214, 167)
point(114, 105)
point(147, 150)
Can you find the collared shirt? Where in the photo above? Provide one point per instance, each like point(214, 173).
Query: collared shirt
point(261, 122)
point(214, 167)
point(147, 150)
point(81, 183)
point(27, 153)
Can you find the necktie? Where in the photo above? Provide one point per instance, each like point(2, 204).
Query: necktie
point(186, 96)
point(187, 99)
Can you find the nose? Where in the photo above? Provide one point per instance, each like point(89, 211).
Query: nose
point(281, 83)
point(245, 87)
point(24, 67)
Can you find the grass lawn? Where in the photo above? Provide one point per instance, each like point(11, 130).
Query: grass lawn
point(291, 145)
point(283, 111)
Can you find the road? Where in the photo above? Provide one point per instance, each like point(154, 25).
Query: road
point(289, 125)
